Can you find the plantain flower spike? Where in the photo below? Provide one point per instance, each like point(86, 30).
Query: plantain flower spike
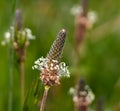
point(82, 95)
point(51, 68)
point(57, 47)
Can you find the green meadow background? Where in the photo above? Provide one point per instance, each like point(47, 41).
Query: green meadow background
point(99, 61)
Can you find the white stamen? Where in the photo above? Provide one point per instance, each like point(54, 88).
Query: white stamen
point(51, 64)
point(51, 68)
point(42, 63)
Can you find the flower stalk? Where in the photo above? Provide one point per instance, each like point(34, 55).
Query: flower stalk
point(84, 20)
point(20, 51)
point(20, 43)
point(22, 74)
point(18, 40)
point(81, 21)
point(82, 96)
point(10, 101)
point(44, 98)
point(100, 104)
point(51, 68)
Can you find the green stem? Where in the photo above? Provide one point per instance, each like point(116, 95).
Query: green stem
point(44, 98)
point(22, 81)
point(11, 55)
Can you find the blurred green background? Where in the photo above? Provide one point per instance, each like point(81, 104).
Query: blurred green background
point(100, 53)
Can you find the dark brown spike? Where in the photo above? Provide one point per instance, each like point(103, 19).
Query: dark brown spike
point(81, 86)
point(57, 46)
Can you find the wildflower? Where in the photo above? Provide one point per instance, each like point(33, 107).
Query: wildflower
point(16, 35)
point(51, 68)
point(84, 20)
point(29, 34)
point(9, 35)
point(76, 9)
point(82, 95)
point(91, 15)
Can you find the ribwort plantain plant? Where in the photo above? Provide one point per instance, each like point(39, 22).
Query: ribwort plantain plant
point(51, 68)
point(18, 38)
point(82, 96)
point(84, 20)
point(21, 41)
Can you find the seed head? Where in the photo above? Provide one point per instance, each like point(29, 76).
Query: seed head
point(82, 94)
point(57, 46)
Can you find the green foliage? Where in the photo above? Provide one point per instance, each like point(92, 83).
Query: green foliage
point(99, 58)
point(32, 98)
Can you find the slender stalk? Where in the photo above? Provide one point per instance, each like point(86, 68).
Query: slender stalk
point(44, 98)
point(83, 108)
point(100, 104)
point(22, 81)
point(11, 55)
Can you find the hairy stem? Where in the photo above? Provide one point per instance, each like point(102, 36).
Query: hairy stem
point(22, 81)
point(44, 98)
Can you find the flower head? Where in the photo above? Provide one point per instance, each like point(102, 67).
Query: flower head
point(81, 11)
point(9, 36)
point(50, 67)
point(16, 35)
point(82, 94)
